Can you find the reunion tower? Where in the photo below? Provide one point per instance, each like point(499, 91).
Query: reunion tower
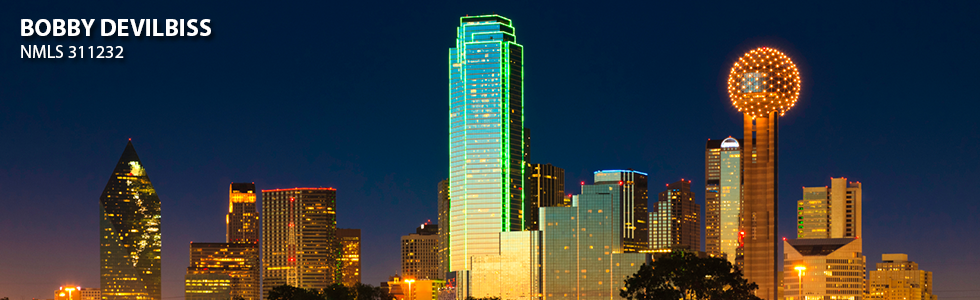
point(763, 84)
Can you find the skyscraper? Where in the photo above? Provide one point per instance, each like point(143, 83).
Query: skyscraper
point(235, 263)
point(897, 278)
point(676, 223)
point(830, 211)
point(238, 261)
point(299, 238)
point(722, 196)
point(420, 253)
point(242, 219)
point(350, 255)
point(444, 206)
point(545, 188)
point(486, 142)
point(633, 227)
point(763, 84)
point(130, 232)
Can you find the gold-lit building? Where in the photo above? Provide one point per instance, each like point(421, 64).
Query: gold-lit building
point(239, 261)
point(633, 203)
point(423, 289)
point(823, 269)
point(828, 212)
point(897, 278)
point(722, 197)
point(209, 286)
point(238, 257)
point(242, 219)
point(420, 253)
point(763, 85)
point(675, 222)
point(130, 232)
point(444, 208)
point(77, 293)
point(350, 256)
point(299, 238)
point(545, 188)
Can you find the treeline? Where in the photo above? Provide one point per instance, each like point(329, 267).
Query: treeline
point(334, 292)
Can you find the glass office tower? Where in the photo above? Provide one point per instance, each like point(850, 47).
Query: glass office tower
point(723, 196)
point(299, 238)
point(583, 246)
point(239, 261)
point(350, 256)
point(633, 227)
point(130, 232)
point(242, 219)
point(486, 128)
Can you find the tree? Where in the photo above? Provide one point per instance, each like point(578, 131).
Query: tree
point(334, 292)
point(288, 292)
point(683, 275)
point(339, 292)
point(368, 292)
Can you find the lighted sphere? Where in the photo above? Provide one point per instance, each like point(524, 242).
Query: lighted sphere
point(763, 81)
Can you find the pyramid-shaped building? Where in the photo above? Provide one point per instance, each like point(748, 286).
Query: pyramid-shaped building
point(130, 232)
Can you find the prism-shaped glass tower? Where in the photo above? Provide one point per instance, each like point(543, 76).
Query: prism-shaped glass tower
point(130, 232)
point(486, 137)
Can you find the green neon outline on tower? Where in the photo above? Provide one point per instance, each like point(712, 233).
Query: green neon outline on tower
point(486, 137)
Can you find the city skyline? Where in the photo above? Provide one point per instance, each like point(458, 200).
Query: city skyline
point(191, 164)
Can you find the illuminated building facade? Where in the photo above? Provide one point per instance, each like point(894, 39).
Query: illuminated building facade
point(240, 261)
point(676, 223)
point(486, 142)
point(829, 212)
point(897, 278)
point(207, 286)
point(299, 238)
point(823, 269)
point(583, 246)
point(444, 206)
point(394, 287)
point(545, 188)
point(91, 294)
point(350, 256)
point(425, 289)
point(77, 293)
point(130, 232)
point(633, 227)
point(723, 196)
point(513, 273)
point(420, 253)
point(242, 218)
point(763, 85)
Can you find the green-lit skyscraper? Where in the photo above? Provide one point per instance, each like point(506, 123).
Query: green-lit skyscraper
point(486, 128)
point(130, 232)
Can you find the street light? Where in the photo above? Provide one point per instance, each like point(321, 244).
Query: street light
point(799, 272)
point(409, 281)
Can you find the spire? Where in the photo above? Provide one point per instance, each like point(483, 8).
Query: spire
point(129, 154)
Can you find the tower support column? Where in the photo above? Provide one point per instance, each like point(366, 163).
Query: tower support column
point(759, 202)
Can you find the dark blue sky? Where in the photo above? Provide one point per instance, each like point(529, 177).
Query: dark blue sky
point(354, 96)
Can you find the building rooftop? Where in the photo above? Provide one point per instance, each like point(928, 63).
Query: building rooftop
point(818, 247)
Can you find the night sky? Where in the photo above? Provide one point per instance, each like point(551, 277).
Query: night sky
point(354, 95)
